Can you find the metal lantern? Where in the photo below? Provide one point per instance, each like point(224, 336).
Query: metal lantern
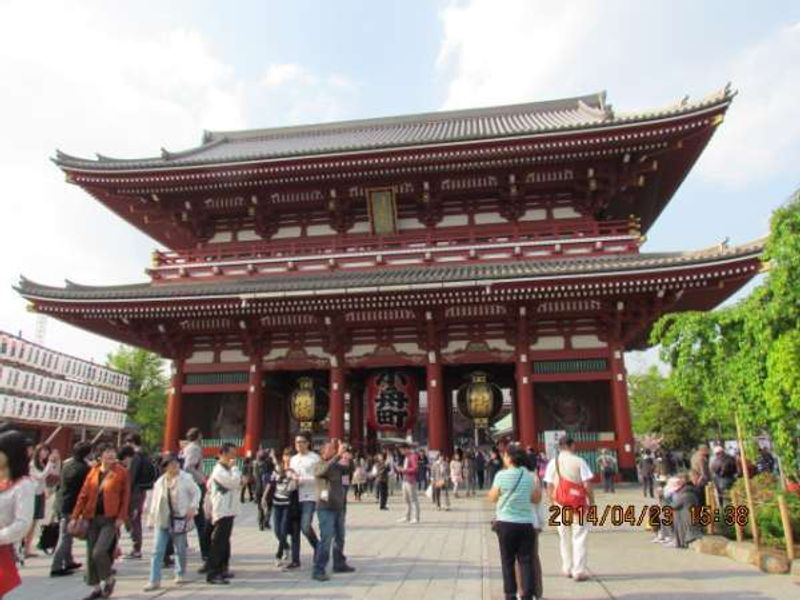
point(480, 400)
point(308, 403)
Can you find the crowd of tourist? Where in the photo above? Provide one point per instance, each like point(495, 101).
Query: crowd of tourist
point(101, 489)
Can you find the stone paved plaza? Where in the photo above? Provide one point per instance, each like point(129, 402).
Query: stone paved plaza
point(450, 555)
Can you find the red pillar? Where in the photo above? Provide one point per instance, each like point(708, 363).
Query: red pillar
point(254, 422)
point(526, 413)
point(524, 397)
point(172, 427)
point(357, 418)
point(437, 408)
point(282, 414)
point(622, 414)
point(336, 427)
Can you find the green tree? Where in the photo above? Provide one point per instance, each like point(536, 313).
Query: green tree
point(148, 394)
point(655, 409)
point(745, 359)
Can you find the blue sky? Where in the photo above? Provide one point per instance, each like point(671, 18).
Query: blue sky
point(126, 78)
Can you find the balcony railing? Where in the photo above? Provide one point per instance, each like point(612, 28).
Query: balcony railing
point(367, 243)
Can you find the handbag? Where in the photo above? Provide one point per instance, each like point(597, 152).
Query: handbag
point(78, 528)
point(429, 492)
point(177, 524)
point(569, 493)
point(503, 502)
point(48, 538)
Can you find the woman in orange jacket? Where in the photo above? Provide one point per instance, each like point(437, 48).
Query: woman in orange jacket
point(103, 502)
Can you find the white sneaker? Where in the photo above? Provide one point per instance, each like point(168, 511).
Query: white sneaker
point(414, 521)
point(181, 581)
point(152, 587)
point(402, 520)
point(657, 540)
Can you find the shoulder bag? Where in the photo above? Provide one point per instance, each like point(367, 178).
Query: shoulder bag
point(177, 524)
point(569, 493)
point(505, 499)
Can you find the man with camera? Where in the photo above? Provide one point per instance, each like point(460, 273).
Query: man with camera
point(330, 510)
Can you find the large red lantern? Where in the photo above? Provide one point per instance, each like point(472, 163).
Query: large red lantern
point(392, 401)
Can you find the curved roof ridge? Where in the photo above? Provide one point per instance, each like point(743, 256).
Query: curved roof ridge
point(596, 99)
point(385, 133)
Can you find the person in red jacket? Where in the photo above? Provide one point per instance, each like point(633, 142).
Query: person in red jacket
point(104, 501)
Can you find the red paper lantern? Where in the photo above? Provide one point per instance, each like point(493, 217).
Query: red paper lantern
point(392, 401)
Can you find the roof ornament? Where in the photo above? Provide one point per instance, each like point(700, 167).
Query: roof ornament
point(165, 154)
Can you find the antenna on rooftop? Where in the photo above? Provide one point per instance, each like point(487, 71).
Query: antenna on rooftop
point(41, 329)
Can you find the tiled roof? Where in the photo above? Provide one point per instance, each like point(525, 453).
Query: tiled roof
point(579, 113)
point(385, 279)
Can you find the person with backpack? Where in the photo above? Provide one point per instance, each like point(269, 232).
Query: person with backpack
point(568, 478)
point(142, 475)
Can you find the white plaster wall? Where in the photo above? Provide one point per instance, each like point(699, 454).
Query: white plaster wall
point(248, 235)
point(409, 224)
point(549, 342)
point(221, 237)
point(587, 341)
point(534, 214)
point(286, 232)
point(232, 356)
point(201, 357)
point(360, 227)
point(323, 229)
point(360, 350)
point(482, 218)
point(454, 220)
point(565, 212)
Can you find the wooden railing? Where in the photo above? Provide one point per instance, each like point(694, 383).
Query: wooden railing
point(445, 237)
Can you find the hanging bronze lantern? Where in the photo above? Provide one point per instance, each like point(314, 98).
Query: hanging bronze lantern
point(308, 403)
point(480, 400)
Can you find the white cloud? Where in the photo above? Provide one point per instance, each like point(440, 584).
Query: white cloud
point(761, 136)
point(521, 50)
point(292, 94)
point(83, 79)
point(512, 51)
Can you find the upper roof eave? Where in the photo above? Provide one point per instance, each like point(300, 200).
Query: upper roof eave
point(600, 116)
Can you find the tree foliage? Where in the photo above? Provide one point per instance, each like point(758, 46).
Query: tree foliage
point(148, 392)
point(745, 359)
point(655, 409)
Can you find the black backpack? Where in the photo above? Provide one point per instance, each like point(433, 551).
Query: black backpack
point(148, 473)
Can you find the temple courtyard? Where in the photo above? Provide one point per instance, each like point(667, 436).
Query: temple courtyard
point(448, 555)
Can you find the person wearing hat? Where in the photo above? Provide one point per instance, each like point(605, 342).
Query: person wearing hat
point(175, 502)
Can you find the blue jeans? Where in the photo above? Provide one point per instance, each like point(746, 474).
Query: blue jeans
point(331, 529)
point(285, 527)
point(307, 509)
point(162, 536)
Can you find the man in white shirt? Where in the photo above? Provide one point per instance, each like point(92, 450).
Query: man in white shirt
point(574, 469)
point(304, 465)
